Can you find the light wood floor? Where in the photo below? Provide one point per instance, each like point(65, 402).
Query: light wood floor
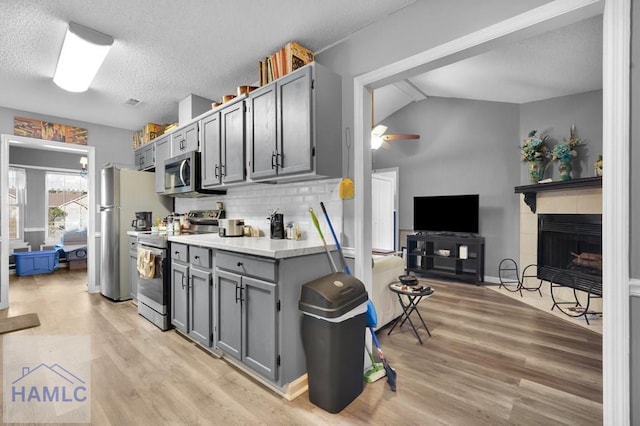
point(492, 360)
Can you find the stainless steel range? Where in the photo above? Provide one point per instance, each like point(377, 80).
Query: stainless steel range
point(154, 280)
point(154, 276)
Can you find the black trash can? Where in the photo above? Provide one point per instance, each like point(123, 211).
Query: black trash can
point(334, 311)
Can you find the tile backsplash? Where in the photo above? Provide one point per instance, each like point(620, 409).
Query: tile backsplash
point(254, 203)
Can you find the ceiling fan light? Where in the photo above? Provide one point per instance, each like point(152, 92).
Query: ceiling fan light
point(379, 130)
point(376, 141)
point(82, 54)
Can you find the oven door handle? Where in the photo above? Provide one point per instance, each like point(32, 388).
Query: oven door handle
point(154, 251)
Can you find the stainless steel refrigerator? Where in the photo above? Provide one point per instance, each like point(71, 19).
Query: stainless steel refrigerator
point(123, 192)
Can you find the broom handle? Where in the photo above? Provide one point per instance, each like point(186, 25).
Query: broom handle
point(324, 243)
point(335, 238)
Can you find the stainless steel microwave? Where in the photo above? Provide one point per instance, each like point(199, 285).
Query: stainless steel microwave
point(182, 176)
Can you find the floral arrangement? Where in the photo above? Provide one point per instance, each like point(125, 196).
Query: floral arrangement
point(598, 166)
point(565, 152)
point(535, 147)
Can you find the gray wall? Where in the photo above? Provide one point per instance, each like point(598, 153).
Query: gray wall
point(465, 147)
point(555, 117)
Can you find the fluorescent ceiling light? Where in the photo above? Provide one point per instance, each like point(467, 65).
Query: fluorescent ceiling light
point(83, 51)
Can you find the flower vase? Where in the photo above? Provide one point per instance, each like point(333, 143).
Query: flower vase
point(565, 170)
point(536, 170)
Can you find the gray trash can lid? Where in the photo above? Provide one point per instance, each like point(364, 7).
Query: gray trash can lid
point(332, 295)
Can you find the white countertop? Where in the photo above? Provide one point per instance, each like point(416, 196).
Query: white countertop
point(258, 246)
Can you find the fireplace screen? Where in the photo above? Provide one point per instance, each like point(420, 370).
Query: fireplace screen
point(570, 243)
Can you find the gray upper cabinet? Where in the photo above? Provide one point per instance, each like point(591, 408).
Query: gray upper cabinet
point(184, 139)
point(222, 142)
point(233, 142)
point(211, 150)
point(163, 152)
point(294, 126)
point(144, 156)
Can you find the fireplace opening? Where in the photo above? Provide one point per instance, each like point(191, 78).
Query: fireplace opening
point(572, 244)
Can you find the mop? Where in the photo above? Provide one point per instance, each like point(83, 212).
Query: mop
point(376, 371)
point(372, 318)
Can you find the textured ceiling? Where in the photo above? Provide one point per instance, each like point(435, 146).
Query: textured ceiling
point(164, 50)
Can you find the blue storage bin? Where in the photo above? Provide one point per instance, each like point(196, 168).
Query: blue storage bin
point(35, 262)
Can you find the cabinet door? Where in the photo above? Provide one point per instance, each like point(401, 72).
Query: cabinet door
point(200, 288)
point(210, 147)
point(184, 140)
point(259, 326)
point(262, 125)
point(232, 120)
point(163, 152)
point(179, 296)
point(133, 275)
point(295, 141)
point(144, 156)
point(228, 312)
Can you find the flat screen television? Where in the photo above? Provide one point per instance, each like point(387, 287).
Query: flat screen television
point(447, 214)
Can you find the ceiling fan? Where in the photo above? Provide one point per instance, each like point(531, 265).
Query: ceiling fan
point(378, 132)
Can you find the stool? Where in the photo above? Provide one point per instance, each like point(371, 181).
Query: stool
point(413, 298)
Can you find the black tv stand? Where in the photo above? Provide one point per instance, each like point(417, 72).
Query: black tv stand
point(442, 255)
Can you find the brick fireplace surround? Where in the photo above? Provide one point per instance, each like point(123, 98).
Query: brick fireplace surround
point(566, 201)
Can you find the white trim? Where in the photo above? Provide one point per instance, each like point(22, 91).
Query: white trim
point(48, 169)
point(616, 36)
point(89, 151)
point(35, 229)
point(615, 212)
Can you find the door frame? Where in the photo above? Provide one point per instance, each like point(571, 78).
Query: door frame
point(89, 151)
point(616, 185)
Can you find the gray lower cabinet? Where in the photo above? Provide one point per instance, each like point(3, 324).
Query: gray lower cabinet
point(200, 297)
point(133, 267)
point(192, 292)
point(247, 319)
point(179, 287)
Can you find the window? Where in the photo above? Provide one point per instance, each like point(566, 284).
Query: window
point(66, 203)
point(17, 202)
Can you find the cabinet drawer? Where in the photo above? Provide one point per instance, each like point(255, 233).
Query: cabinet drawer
point(247, 265)
point(179, 252)
point(200, 256)
point(133, 243)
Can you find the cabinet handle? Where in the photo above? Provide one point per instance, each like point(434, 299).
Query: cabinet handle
point(196, 257)
point(241, 291)
point(278, 160)
point(273, 160)
point(237, 288)
point(223, 170)
point(183, 282)
point(215, 173)
point(239, 264)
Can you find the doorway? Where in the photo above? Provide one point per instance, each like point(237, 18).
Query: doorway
point(616, 66)
point(384, 209)
point(5, 143)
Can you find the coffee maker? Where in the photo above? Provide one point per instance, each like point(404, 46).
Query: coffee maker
point(277, 226)
point(142, 222)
